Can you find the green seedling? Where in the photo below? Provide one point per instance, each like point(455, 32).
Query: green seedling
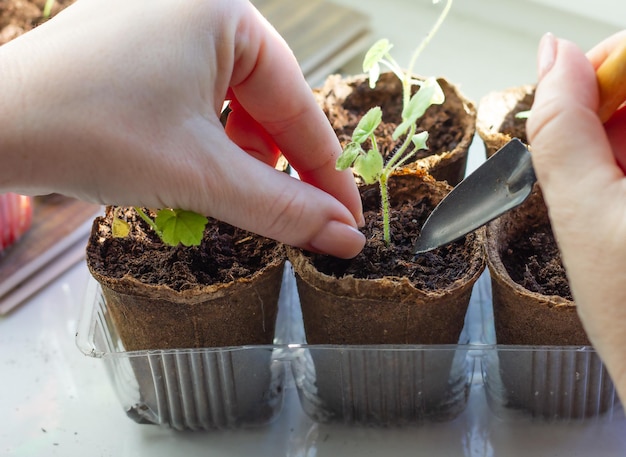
point(173, 226)
point(369, 164)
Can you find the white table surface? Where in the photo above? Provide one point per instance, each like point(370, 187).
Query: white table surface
point(56, 401)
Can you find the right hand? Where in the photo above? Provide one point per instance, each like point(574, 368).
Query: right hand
point(580, 166)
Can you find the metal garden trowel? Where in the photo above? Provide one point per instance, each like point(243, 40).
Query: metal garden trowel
point(500, 184)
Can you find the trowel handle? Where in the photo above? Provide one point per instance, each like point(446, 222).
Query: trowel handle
point(612, 82)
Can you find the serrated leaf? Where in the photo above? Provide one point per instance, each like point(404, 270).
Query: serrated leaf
point(180, 226)
point(367, 125)
point(430, 93)
point(120, 228)
point(369, 166)
point(419, 140)
point(348, 156)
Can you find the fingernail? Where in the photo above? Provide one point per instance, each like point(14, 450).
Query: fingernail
point(339, 239)
point(546, 54)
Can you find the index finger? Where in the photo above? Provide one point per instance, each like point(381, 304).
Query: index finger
point(269, 84)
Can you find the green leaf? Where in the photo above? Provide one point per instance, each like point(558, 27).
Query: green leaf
point(371, 62)
point(523, 115)
point(180, 226)
point(348, 156)
point(367, 125)
point(419, 140)
point(401, 129)
point(120, 227)
point(369, 166)
point(430, 93)
point(376, 53)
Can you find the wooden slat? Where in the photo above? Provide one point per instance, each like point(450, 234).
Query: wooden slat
point(321, 34)
point(58, 224)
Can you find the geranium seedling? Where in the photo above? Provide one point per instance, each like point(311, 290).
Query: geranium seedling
point(173, 226)
point(370, 164)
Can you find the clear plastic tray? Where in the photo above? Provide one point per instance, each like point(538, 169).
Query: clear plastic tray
point(220, 388)
point(186, 389)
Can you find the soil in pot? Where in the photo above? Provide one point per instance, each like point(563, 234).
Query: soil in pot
point(187, 285)
point(496, 121)
point(536, 323)
point(451, 126)
point(168, 300)
point(384, 297)
point(534, 261)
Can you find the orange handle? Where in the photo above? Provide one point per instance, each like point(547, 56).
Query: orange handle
point(612, 82)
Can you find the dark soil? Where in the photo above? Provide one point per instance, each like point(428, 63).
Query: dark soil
point(514, 127)
point(433, 270)
point(534, 261)
point(226, 253)
point(444, 132)
point(19, 16)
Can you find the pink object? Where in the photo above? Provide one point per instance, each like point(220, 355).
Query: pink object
point(16, 215)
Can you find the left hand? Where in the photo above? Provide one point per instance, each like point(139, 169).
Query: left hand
point(118, 102)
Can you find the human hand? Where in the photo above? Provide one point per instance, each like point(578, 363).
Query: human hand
point(119, 103)
point(580, 166)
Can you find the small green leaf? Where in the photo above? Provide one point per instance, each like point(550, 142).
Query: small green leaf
point(180, 226)
point(120, 228)
point(419, 140)
point(371, 62)
point(367, 125)
point(376, 53)
point(369, 166)
point(430, 93)
point(348, 156)
point(523, 115)
point(437, 97)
